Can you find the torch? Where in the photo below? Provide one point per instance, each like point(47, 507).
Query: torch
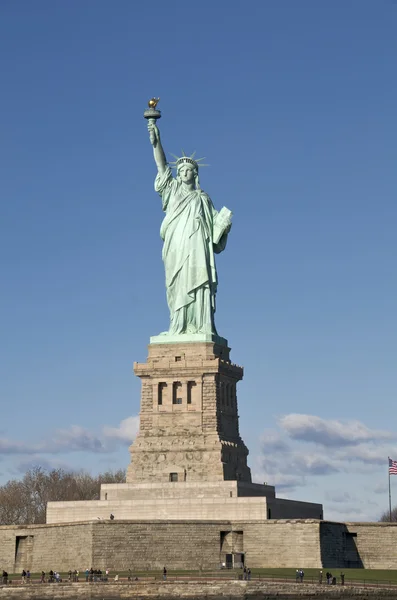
point(152, 114)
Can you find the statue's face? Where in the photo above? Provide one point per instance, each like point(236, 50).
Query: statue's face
point(186, 173)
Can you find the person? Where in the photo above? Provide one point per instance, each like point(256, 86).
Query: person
point(249, 574)
point(297, 575)
point(245, 573)
point(164, 574)
point(76, 575)
point(301, 574)
point(320, 577)
point(87, 574)
point(342, 579)
point(191, 237)
point(70, 574)
point(51, 578)
point(106, 574)
point(129, 574)
point(5, 577)
point(27, 576)
point(23, 576)
point(111, 517)
point(42, 577)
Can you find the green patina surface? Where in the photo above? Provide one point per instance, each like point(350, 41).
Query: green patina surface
point(193, 231)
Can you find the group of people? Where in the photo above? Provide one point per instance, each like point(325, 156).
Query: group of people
point(55, 576)
point(25, 576)
point(331, 580)
point(246, 574)
point(96, 575)
point(73, 576)
point(299, 575)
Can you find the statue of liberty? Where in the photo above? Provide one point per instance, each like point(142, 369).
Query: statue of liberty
point(193, 232)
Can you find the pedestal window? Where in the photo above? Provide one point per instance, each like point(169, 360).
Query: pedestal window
point(177, 392)
point(162, 387)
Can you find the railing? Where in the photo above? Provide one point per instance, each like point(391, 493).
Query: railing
point(223, 575)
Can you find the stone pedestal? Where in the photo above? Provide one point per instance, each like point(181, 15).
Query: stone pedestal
point(188, 419)
point(188, 462)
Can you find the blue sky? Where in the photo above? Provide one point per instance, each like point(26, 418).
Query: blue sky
point(293, 104)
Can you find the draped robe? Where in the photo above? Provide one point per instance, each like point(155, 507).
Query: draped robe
point(188, 255)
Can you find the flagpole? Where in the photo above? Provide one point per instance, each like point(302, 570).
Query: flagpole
point(389, 494)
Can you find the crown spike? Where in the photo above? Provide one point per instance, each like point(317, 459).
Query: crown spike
point(184, 159)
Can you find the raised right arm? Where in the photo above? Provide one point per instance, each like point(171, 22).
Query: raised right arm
point(158, 152)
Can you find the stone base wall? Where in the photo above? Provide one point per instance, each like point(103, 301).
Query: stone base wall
point(282, 544)
point(197, 544)
point(294, 509)
point(375, 544)
point(175, 509)
point(51, 547)
point(185, 489)
point(187, 501)
point(357, 545)
point(146, 546)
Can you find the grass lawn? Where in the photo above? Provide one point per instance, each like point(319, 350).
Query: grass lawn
point(357, 575)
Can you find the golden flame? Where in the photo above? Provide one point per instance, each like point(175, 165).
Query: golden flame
point(153, 102)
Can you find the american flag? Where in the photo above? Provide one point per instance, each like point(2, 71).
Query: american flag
point(392, 467)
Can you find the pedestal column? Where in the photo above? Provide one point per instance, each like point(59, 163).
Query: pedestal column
point(189, 419)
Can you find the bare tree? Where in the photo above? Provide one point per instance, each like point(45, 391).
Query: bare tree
point(385, 517)
point(12, 504)
point(25, 501)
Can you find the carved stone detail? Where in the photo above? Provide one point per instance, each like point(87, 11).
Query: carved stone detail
point(194, 432)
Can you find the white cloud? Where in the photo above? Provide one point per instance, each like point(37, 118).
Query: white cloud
point(370, 453)
point(76, 439)
point(340, 496)
point(10, 447)
point(125, 432)
point(329, 432)
point(288, 472)
point(305, 447)
point(379, 488)
point(273, 441)
point(39, 461)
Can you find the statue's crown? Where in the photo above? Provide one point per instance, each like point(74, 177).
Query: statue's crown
point(189, 160)
point(186, 159)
